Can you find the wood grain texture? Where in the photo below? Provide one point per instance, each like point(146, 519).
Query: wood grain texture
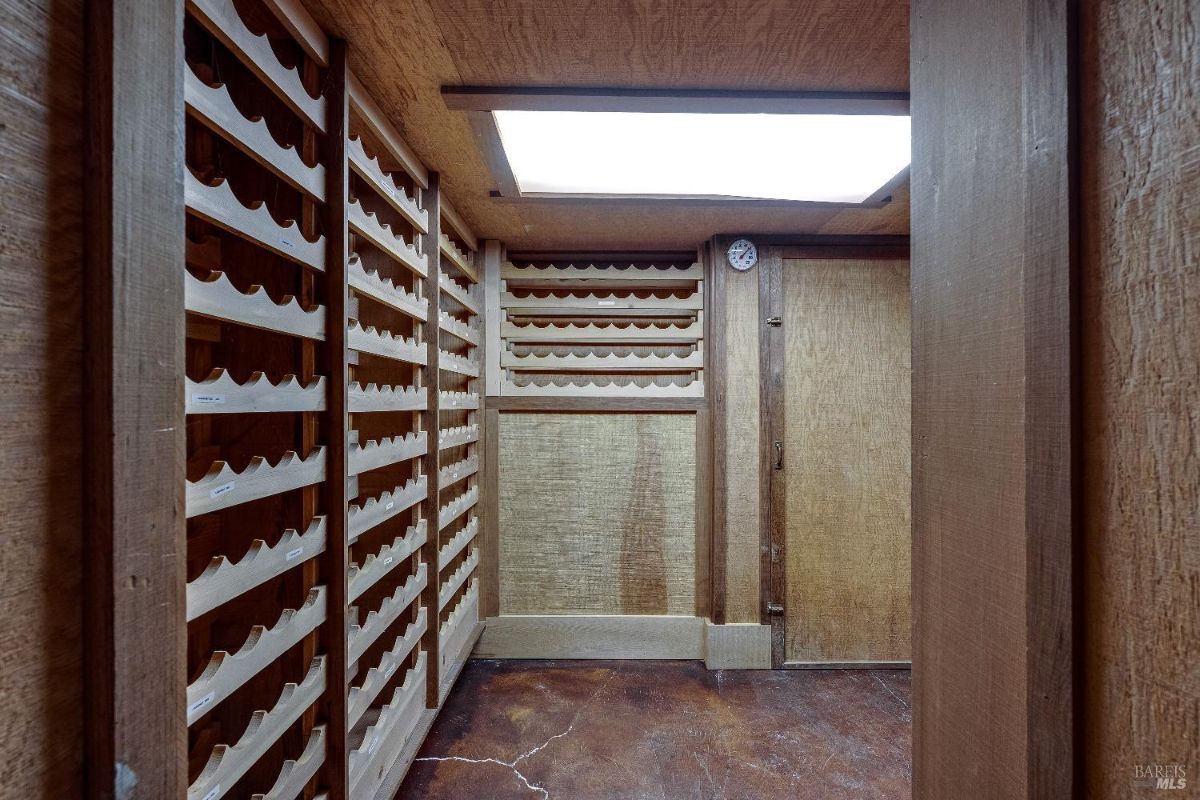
point(597, 513)
point(969, 593)
point(742, 475)
point(41, 253)
point(765, 44)
point(737, 646)
point(592, 636)
point(846, 460)
point(1141, 410)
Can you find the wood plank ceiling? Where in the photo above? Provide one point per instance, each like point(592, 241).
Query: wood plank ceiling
point(405, 50)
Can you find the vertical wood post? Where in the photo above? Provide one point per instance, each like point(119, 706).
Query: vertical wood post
point(337, 474)
point(431, 460)
point(135, 537)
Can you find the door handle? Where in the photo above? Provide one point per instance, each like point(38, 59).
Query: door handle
point(778, 454)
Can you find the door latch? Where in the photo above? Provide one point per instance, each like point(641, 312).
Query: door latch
point(778, 454)
point(775, 322)
point(774, 609)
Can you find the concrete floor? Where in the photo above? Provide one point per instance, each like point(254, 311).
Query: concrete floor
point(666, 730)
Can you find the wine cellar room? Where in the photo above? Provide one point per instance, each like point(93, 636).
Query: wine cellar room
point(588, 400)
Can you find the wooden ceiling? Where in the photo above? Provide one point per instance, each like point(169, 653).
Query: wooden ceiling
point(404, 51)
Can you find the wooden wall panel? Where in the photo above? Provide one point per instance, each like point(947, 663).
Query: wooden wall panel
point(41, 251)
point(597, 513)
point(742, 501)
point(1141, 417)
point(968, 506)
point(846, 450)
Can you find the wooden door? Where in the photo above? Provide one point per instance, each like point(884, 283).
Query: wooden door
point(837, 394)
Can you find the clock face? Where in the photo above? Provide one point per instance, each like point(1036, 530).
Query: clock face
point(742, 255)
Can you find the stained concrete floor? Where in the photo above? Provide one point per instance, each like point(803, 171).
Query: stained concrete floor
point(666, 730)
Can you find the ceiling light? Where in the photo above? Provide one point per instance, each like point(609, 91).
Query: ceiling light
point(806, 157)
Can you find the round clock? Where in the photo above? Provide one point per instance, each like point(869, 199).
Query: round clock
point(742, 255)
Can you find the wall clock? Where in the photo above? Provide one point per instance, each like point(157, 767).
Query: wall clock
point(742, 255)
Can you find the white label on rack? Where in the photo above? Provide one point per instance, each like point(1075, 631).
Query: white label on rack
point(299, 551)
point(213, 793)
point(224, 488)
point(387, 560)
point(208, 399)
point(201, 703)
point(371, 748)
point(390, 506)
point(454, 402)
point(390, 671)
point(606, 302)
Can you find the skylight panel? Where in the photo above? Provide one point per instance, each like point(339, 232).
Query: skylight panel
point(807, 157)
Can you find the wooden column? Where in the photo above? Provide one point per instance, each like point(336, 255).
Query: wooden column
point(993, 374)
point(136, 734)
point(337, 191)
point(431, 459)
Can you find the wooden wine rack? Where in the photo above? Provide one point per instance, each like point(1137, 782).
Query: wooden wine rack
point(333, 419)
point(609, 329)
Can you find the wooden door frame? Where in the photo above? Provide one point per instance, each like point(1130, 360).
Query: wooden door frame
point(773, 480)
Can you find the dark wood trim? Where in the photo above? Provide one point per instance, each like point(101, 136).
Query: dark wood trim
point(846, 665)
point(433, 423)
point(487, 136)
point(337, 242)
point(710, 101)
point(489, 562)
point(772, 484)
point(714, 390)
point(1052, 418)
point(135, 530)
point(616, 405)
point(603, 256)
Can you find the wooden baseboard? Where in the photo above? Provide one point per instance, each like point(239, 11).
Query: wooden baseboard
point(592, 637)
point(737, 646)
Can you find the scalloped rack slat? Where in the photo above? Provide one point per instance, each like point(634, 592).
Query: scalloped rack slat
point(228, 763)
point(218, 205)
point(456, 580)
point(360, 399)
point(380, 453)
point(224, 672)
point(604, 334)
point(219, 393)
point(456, 507)
point(223, 21)
point(377, 510)
point(591, 272)
point(456, 292)
point(364, 635)
point(457, 542)
point(368, 168)
point(457, 437)
point(458, 364)
point(384, 290)
point(457, 257)
point(361, 697)
point(385, 345)
point(295, 774)
point(213, 106)
point(376, 565)
point(693, 389)
point(218, 298)
point(454, 638)
point(458, 400)
point(385, 732)
point(222, 487)
point(615, 304)
point(224, 580)
point(459, 329)
point(609, 363)
point(458, 471)
point(368, 226)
